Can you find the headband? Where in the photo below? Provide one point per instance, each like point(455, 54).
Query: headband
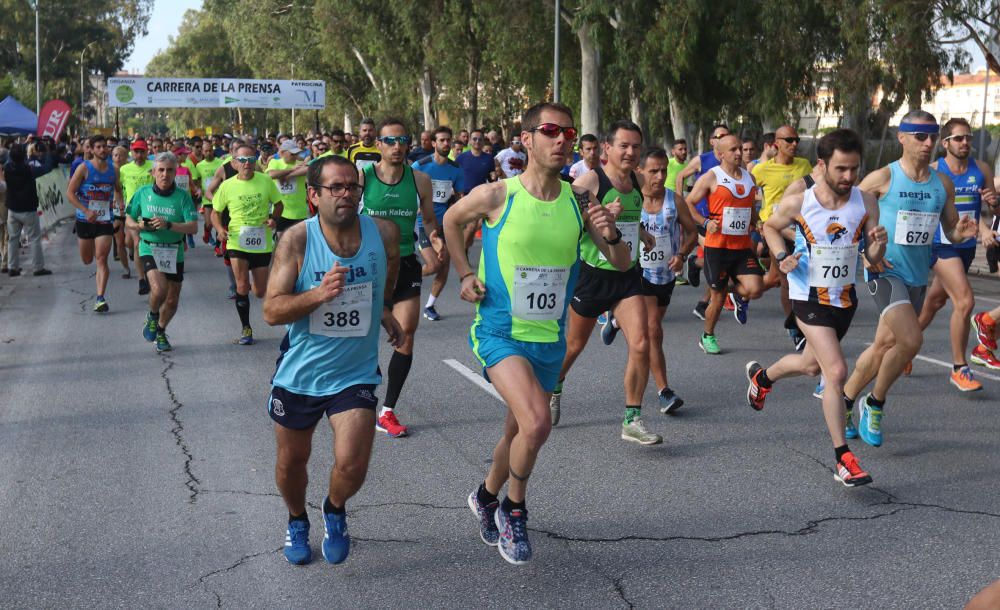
point(931, 128)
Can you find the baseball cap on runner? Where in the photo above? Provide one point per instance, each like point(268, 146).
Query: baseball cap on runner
point(290, 146)
point(139, 145)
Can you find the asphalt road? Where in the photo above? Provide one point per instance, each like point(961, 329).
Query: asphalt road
point(130, 479)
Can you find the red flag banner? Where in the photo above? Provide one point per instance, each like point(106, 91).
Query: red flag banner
point(52, 119)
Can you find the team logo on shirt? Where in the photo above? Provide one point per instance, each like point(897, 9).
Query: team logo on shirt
point(277, 407)
point(740, 189)
point(835, 231)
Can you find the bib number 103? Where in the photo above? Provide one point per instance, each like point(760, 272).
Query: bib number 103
point(541, 300)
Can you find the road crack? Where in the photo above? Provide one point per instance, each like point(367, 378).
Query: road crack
point(242, 560)
point(192, 483)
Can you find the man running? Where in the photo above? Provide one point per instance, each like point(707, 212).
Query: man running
point(395, 192)
point(134, 176)
point(248, 197)
point(365, 153)
point(590, 156)
point(830, 220)
point(207, 167)
point(93, 190)
point(678, 161)
point(477, 165)
point(913, 200)
point(289, 175)
point(331, 285)
point(533, 231)
point(510, 162)
point(162, 213)
point(973, 181)
point(661, 218)
point(729, 255)
point(447, 186)
point(604, 287)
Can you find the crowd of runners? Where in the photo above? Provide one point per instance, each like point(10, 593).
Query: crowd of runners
point(334, 235)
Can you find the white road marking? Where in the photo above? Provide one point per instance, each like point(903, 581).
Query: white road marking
point(466, 372)
point(991, 300)
point(977, 371)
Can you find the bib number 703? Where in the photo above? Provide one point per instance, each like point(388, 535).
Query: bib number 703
point(836, 271)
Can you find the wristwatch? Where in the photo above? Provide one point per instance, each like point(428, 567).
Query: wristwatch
point(616, 240)
point(780, 256)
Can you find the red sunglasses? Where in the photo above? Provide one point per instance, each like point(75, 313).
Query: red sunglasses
point(552, 130)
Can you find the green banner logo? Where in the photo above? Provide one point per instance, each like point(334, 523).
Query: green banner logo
point(124, 94)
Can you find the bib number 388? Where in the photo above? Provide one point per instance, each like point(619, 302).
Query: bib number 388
point(539, 292)
point(348, 315)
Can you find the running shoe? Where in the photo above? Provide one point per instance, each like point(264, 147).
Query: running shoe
point(297, 549)
point(636, 432)
point(336, 541)
point(431, 314)
point(679, 280)
point(101, 306)
point(984, 357)
point(390, 425)
point(693, 272)
point(218, 252)
point(247, 337)
point(986, 331)
point(850, 430)
point(149, 328)
point(669, 401)
point(190, 240)
point(709, 345)
point(849, 472)
point(818, 390)
point(143, 287)
point(231, 295)
point(608, 330)
point(908, 369)
point(699, 310)
point(513, 541)
point(554, 407)
point(727, 304)
point(14, 273)
point(43, 271)
point(162, 345)
point(603, 318)
point(964, 381)
point(206, 236)
point(755, 392)
point(486, 513)
point(870, 423)
point(798, 339)
point(741, 307)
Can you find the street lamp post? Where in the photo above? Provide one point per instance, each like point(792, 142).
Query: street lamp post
point(83, 51)
point(38, 66)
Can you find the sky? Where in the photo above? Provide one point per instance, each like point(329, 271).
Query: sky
point(164, 22)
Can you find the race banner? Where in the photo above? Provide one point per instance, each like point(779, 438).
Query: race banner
point(126, 92)
point(52, 119)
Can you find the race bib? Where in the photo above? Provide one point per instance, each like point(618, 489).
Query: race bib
point(361, 164)
point(183, 182)
point(630, 235)
point(832, 266)
point(736, 221)
point(287, 187)
point(961, 215)
point(103, 209)
point(660, 255)
point(253, 238)
point(539, 292)
point(348, 315)
point(443, 190)
point(165, 256)
point(915, 228)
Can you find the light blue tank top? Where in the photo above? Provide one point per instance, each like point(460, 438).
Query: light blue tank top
point(328, 351)
point(98, 187)
point(663, 222)
point(968, 200)
point(910, 263)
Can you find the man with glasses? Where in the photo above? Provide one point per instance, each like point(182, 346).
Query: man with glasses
point(477, 165)
point(913, 200)
point(394, 191)
point(447, 186)
point(248, 198)
point(93, 190)
point(773, 178)
point(338, 143)
point(289, 175)
point(365, 153)
point(510, 162)
point(973, 181)
point(533, 229)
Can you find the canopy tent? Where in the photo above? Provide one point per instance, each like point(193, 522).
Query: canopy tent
point(15, 119)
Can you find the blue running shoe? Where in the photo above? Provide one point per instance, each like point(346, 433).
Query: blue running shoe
point(513, 527)
point(602, 319)
point(297, 549)
point(149, 328)
point(850, 431)
point(487, 519)
point(669, 401)
point(818, 391)
point(190, 240)
point(431, 314)
point(246, 338)
point(740, 307)
point(336, 542)
point(608, 330)
point(870, 423)
point(162, 345)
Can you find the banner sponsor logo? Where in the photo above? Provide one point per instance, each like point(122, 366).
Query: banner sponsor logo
point(52, 119)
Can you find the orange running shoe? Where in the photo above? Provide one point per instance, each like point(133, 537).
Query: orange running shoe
point(964, 381)
point(908, 369)
point(849, 472)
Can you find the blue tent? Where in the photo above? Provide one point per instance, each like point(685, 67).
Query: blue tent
point(15, 119)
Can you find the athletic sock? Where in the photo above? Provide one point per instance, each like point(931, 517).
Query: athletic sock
point(958, 367)
point(840, 451)
point(329, 508)
point(243, 308)
point(303, 517)
point(154, 315)
point(430, 301)
point(160, 330)
point(484, 496)
point(872, 402)
point(558, 388)
point(399, 369)
point(763, 380)
point(632, 413)
point(509, 505)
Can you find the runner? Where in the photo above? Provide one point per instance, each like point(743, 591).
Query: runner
point(93, 190)
point(590, 156)
point(913, 199)
point(133, 176)
point(768, 150)
point(973, 181)
point(289, 175)
point(425, 149)
point(119, 156)
point(365, 153)
point(477, 165)
point(510, 162)
point(207, 167)
point(332, 281)
point(248, 197)
point(532, 235)
point(604, 287)
point(395, 192)
point(662, 219)
point(678, 161)
point(729, 253)
point(448, 186)
point(984, 323)
point(830, 219)
point(162, 213)
point(749, 149)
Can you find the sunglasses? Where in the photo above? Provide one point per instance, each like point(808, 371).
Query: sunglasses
point(794, 140)
point(321, 147)
point(338, 141)
point(339, 190)
point(716, 136)
point(922, 137)
point(393, 140)
point(476, 139)
point(959, 138)
point(552, 130)
point(245, 159)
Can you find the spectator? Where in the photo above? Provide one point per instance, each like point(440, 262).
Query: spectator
point(3, 218)
point(22, 212)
